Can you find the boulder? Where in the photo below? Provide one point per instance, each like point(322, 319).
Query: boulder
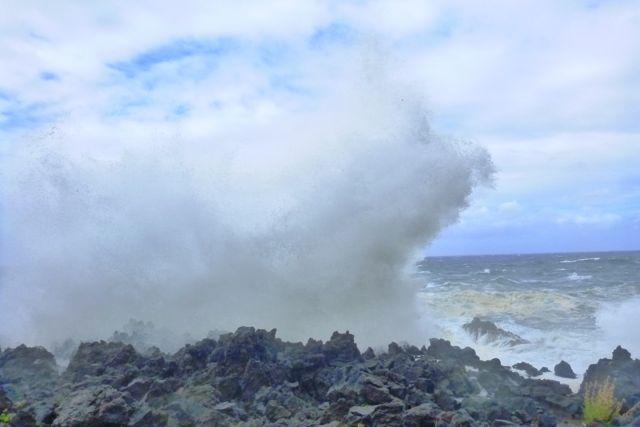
point(563, 370)
point(341, 348)
point(99, 358)
point(94, 405)
point(527, 368)
point(488, 331)
point(425, 414)
point(621, 371)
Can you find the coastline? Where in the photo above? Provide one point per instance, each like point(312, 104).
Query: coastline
point(252, 378)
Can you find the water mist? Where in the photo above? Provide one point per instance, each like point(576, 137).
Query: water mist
point(308, 222)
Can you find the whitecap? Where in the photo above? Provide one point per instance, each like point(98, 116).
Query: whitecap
point(575, 276)
point(567, 261)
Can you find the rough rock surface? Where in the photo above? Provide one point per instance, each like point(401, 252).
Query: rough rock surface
point(252, 378)
point(564, 370)
point(528, 369)
point(624, 373)
point(488, 331)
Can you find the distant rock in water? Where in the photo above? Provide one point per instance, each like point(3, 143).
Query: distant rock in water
point(564, 370)
point(488, 331)
point(528, 368)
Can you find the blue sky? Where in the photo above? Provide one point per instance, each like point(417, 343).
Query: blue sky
point(551, 89)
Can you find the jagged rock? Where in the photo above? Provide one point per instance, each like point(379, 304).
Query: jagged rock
point(425, 414)
point(442, 349)
point(252, 378)
point(394, 349)
point(193, 357)
point(622, 371)
point(368, 354)
point(5, 402)
point(24, 363)
point(235, 350)
point(488, 331)
point(341, 348)
point(528, 368)
point(29, 374)
point(620, 355)
point(563, 370)
point(547, 420)
point(94, 405)
point(96, 358)
point(631, 417)
point(23, 419)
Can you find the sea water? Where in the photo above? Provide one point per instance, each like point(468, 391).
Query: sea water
point(575, 307)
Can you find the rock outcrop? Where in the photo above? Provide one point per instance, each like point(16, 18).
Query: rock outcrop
point(564, 370)
point(622, 372)
point(251, 377)
point(489, 332)
point(529, 369)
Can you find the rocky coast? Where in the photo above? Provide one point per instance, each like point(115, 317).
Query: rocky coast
point(252, 378)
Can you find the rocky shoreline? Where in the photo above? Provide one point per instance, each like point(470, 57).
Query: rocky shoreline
point(252, 378)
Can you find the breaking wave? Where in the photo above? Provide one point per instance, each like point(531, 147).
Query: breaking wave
point(308, 222)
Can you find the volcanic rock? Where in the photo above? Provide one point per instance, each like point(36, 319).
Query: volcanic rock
point(484, 329)
point(528, 368)
point(563, 369)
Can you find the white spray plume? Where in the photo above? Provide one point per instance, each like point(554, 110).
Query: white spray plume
point(308, 221)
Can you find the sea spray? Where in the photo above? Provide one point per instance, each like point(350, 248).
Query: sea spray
point(307, 220)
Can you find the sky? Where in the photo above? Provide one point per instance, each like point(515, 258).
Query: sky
point(551, 89)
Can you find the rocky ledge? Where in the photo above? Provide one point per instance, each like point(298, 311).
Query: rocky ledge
point(252, 378)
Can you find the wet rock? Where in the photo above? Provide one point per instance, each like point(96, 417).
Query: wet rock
point(341, 348)
point(442, 349)
point(5, 402)
point(425, 414)
point(528, 368)
point(621, 371)
point(252, 378)
point(461, 418)
point(94, 405)
point(488, 331)
point(620, 355)
point(547, 420)
point(193, 357)
point(563, 370)
point(98, 358)
point(28, 374)
point(368, 354)
point(234, 350)
point(23, 364)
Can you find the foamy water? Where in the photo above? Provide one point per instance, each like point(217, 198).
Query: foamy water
point(573, 307)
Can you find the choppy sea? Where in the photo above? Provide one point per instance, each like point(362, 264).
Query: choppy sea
point(575, 307)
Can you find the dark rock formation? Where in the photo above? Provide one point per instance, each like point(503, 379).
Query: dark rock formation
point(563, 370)
point(528, 368)
point(624, 374)
point(484, 329)
point(252, 377)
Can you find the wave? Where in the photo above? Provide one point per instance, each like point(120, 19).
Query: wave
point(576, 277)
point(568, 261)
point(534, 307)
point(266, 224)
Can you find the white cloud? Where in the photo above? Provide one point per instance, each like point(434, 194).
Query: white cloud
point(509, 208)
point(551, 88)
point(604, 219)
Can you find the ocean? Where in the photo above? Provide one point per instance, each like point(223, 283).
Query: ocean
point(570, 306)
